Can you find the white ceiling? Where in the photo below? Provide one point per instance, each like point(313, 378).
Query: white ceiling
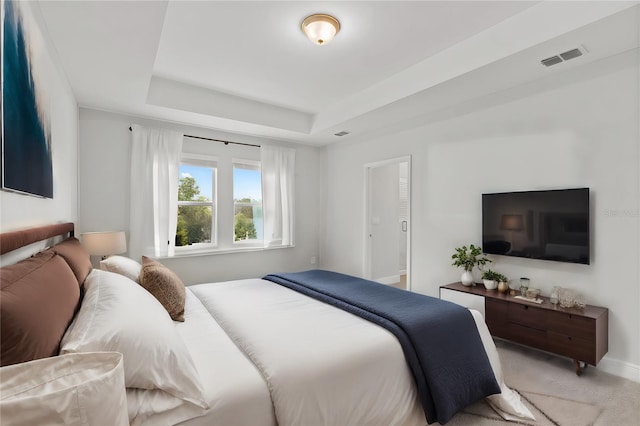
point(246, 67)
point(257, 50)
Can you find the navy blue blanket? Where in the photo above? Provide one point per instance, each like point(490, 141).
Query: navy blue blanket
point(440, 340)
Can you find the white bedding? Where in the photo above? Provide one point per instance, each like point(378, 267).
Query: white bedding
point(319, 364)
point(233, 387)
point(322, 365)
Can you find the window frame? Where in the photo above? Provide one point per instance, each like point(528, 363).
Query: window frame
point(209, 161)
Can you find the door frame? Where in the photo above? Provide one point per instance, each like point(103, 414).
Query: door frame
point(366, 261)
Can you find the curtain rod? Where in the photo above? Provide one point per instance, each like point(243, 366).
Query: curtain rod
point(216, 140)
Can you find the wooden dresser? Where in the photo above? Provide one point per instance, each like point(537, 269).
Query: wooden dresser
point(580, 334)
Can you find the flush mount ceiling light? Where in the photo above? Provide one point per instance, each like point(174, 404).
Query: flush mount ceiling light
point(320, 28)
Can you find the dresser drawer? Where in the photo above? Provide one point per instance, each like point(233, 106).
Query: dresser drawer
point(571, 325)
point(528, 336)
point(496, 310)
point(496, 317)
point(527, 315)
point(572, 347)
point(499, 329)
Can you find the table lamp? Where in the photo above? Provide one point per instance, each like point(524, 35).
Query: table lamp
point(104, 243)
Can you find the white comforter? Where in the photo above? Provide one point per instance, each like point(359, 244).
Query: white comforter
point(321, 365)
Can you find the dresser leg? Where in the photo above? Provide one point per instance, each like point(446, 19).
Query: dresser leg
point(579, 366)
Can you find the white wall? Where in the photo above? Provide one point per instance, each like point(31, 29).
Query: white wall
point(23, 211)
point(575, 129)
point(105, 157)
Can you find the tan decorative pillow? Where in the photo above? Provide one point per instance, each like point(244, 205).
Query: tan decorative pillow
point(165, 285)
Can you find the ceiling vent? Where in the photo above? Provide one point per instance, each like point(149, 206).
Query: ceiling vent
point(551, 61)
point(565, 56)
point(570, 54)
point(342, 133)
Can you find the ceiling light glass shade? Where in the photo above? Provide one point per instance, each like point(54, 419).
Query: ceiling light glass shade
point(320, 28)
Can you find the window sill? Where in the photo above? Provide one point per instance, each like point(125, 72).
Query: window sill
point(217, 251)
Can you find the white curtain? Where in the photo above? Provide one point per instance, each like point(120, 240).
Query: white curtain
point(278, 169)
point(155, 163)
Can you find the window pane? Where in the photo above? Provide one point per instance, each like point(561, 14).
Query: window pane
point(248, 221)
point(196, 183)
point(194, 225)
point(247, 197)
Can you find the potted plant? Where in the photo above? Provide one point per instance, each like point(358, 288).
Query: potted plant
point(490, 279)
point(468, 258)
point(503, 283)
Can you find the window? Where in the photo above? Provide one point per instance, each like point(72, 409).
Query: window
point(196, 203)
point(247, 202)
point(221, 204)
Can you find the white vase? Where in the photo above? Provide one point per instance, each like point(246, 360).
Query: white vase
point(490, 284)
point(467, 278)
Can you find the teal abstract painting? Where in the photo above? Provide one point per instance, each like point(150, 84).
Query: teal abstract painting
point(26, 140)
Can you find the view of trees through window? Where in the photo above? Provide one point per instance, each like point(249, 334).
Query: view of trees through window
point(247, 200)
point(195, 205)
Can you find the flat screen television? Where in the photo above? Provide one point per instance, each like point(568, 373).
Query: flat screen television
point(548, 225)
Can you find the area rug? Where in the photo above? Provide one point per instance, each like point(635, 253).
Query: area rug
point(548, 411)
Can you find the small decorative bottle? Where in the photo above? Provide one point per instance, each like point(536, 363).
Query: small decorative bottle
point(555, 293)
point(524, 285)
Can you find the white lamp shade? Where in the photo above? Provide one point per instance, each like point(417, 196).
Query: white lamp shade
point(104, 243)
point(320, 29)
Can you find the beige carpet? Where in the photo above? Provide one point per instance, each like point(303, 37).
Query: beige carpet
point(550, 388)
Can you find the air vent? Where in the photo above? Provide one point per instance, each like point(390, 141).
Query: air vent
point(342, 133)
point(565, 56)
point(551, 61)
point(573, 53)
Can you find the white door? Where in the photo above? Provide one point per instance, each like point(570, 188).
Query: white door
point(387, 224)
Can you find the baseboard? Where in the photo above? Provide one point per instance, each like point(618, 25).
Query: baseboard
point(388, 280)
point(403, 272)
point(620, 368)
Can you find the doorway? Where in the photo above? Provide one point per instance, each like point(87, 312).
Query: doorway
point(387, 222)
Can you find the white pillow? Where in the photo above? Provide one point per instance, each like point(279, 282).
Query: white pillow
point(118, 315)
point(69, 389)
point(123, 266)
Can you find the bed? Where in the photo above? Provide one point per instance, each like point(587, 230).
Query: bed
point(248, 352)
